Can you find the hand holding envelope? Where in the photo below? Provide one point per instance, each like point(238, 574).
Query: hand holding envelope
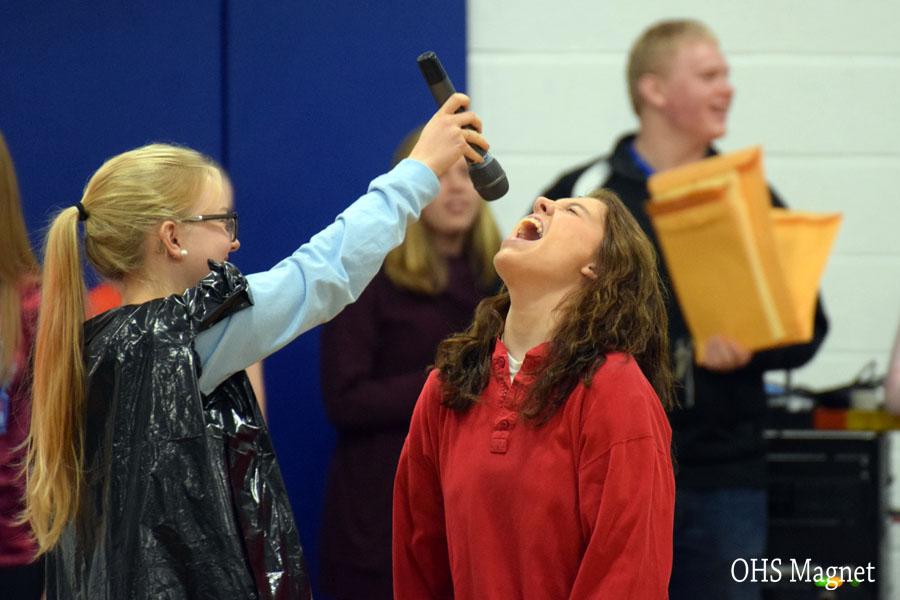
point(740, 268)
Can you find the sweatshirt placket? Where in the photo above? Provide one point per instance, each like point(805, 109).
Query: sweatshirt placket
point(507, 413)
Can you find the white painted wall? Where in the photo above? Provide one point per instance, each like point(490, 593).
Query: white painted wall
point(818, 85)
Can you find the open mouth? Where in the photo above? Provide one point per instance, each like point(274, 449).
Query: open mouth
point(530, 229)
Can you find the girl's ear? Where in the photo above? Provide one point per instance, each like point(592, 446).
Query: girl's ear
point(168, 239)
point(589, 271)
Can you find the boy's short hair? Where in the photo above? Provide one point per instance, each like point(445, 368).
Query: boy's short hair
point(656, 45)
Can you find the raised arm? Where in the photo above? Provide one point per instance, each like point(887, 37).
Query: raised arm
point(319, 278)
point(331, 270)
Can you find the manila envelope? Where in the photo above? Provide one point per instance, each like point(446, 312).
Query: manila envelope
point(739, 267)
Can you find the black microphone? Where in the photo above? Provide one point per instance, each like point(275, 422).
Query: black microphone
point(488, 176)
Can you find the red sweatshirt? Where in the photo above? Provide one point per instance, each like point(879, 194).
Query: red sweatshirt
point(488, 506)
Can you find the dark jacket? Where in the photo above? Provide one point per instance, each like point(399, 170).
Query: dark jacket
point(374, 358)
point(182, 496)
point(718, 431)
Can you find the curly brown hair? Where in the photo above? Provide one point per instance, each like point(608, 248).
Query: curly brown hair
point(622, 310)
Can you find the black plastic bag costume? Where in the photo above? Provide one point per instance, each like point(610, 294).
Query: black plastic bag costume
point(182, 496)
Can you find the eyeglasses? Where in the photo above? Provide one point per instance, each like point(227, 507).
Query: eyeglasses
point(231, 221)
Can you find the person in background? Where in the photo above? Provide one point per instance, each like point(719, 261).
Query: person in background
point(21, 575)
point(538, 462)
point(150, 470)
point(374, 357)
point(678, 81)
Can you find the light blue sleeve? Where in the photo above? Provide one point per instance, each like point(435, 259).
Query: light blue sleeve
point(320, 278)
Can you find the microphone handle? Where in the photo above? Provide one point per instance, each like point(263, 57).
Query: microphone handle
point(441, 87)
point(487, 176)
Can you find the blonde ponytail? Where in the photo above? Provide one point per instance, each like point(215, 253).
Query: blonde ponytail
point(128, 195)
point(54, 460)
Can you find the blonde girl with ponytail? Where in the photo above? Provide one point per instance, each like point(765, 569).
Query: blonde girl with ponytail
point(150, 471)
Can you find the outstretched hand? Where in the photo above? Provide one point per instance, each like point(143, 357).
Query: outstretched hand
point(444, 139)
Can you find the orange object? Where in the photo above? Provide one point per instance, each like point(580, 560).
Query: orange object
point(739, 267)
point(830, 418)
point(803, 241)
point(102, 298)
point(854, 419)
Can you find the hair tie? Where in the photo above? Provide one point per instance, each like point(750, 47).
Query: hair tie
point(82, 213)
